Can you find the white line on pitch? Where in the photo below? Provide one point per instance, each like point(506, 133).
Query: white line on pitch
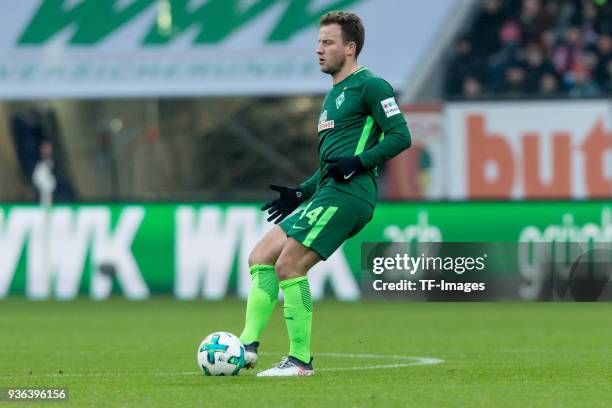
point(410, 362)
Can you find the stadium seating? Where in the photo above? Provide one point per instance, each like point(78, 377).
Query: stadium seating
point(534, 48)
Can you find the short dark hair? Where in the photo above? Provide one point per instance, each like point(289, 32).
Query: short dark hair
point(350, 24)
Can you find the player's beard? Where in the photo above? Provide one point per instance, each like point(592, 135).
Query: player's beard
point(332, 69)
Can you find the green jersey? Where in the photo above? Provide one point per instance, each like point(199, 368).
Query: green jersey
point(359, 117)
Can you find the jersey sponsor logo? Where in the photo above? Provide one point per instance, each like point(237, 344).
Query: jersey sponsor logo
point(339, 100)
point(390, 107)
point(324, 123)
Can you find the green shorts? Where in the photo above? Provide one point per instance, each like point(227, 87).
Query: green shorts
point(328, 219)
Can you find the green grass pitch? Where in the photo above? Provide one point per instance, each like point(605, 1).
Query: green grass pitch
point(120, 353)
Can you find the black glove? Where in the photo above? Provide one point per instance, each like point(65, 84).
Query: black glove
point(344, 169)
point(289, 200)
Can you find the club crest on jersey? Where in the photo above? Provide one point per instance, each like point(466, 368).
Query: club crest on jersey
point(324, 123)
point(390, 107)
point(339, 100)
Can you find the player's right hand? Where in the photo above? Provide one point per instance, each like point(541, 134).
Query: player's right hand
point(289, 200)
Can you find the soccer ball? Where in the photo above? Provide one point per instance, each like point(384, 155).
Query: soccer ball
point(221, 353)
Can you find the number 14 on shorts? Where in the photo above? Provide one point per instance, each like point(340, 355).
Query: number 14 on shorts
point(310, 216)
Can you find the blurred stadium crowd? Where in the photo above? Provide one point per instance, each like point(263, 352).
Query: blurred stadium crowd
point(535, 48)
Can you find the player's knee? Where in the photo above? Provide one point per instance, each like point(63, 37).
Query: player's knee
point(282, 269)
point(287, 269)
point(257, 257)
point(268, 249)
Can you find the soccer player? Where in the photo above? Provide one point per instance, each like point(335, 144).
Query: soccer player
point(360, 127)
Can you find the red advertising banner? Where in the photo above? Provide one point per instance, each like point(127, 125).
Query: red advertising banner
point(529, 150)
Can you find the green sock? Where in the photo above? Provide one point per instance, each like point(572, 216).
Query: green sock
point(263, 296)
point(298, 316)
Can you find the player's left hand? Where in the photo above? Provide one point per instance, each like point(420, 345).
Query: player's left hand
point(344, 169)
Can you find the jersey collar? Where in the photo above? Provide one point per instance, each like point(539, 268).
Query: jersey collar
point(350, 76)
